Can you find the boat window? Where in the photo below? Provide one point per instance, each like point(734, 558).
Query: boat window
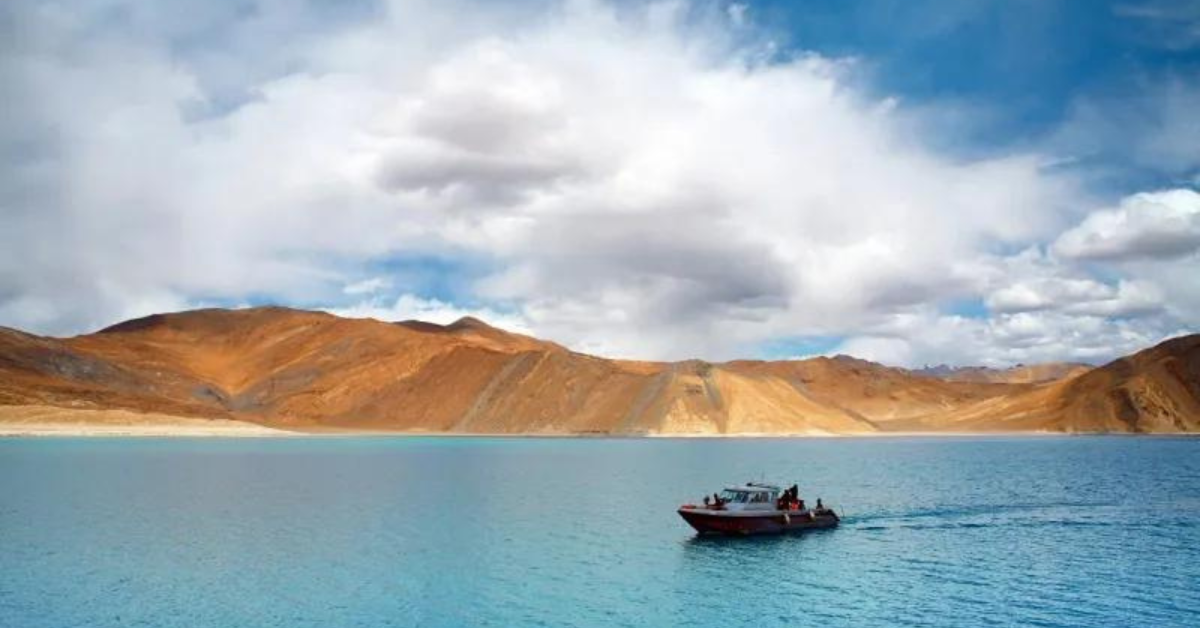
point(759, 498)
point(734, 497)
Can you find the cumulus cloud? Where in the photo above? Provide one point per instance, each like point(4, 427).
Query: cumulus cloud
point(411, 307)
point(1149, 242)
point(928, 337)
point(646, 181)
point(1033, 281)
point(1150, 225)
point(1083, 296)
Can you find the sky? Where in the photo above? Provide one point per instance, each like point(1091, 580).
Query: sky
point(913, 182)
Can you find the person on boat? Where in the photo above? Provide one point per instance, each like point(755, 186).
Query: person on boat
point(802, 504)
point(820, 506)
point(707, 501)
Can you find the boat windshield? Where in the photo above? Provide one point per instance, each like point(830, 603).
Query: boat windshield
point(735, 497)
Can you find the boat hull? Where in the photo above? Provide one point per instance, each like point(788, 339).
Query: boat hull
point(743, 523)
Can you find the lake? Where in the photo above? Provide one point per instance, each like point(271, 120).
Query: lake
point(945, 531)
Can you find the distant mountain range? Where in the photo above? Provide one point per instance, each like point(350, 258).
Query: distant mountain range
point(313, 371)
point(1019, 374)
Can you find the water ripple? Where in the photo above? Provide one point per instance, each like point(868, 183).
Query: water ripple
point(490, 532)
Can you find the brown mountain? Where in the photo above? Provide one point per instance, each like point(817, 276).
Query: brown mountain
point(1019, 374)
point(1156, 390)
point(315, 371)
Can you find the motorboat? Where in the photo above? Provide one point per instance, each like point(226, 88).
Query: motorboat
point(756, 508)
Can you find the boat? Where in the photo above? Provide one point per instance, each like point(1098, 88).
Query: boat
point(757, 509)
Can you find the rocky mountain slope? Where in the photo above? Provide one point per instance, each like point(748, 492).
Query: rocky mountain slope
point(1156, 390)
point(315, 371)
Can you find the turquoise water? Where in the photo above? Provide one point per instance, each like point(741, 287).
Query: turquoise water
point(1085, 531)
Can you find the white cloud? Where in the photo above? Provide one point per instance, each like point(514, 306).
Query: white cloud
point(368, 286)
point(1162, 224)
point(927, 338)
point(410, 307)
point(645, 182)
point(1044, 294)
point(1030, 281)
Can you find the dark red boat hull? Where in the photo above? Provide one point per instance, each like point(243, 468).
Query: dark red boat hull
point(732, 523)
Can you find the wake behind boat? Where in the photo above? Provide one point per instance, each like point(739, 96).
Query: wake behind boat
point(757, 509)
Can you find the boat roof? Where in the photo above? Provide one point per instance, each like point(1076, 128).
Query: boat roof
point(753, 487)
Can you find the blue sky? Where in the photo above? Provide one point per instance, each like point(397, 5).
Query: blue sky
point(912, 182)
point(1022, 66)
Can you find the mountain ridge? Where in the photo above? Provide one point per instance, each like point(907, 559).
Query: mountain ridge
point(1017, 374)
point(314, 371)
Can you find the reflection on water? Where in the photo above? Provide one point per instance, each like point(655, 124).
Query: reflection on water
point(505, 532)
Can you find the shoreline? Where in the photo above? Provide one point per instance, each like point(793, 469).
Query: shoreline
point(239, 430)
point(55, 422)
point(228, 429)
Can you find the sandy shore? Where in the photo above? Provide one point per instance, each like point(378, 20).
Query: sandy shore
point(53, 421)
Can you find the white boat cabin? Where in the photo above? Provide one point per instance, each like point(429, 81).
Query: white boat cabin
point(750, 497)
